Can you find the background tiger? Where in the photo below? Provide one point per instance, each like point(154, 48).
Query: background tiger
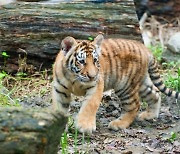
point(88, 68)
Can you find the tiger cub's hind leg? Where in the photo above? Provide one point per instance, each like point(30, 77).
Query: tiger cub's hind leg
point(152, 97)
point(130, 103)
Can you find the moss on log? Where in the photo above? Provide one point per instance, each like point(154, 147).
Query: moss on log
point(38, 28)
point(25, 131)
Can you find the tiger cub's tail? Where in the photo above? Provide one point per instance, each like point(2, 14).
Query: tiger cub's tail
point(156, 79)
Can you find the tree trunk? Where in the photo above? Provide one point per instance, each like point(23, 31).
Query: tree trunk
point(25, 131)
point(38, 28)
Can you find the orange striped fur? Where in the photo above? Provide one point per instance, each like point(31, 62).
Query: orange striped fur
point(87, 68)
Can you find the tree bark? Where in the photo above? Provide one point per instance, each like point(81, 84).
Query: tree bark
point(25, 131)
point(38, 28)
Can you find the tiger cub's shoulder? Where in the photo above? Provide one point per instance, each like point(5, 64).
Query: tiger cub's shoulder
point(119, 46)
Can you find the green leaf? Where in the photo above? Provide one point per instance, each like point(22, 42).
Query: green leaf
point(21, 74)
point(3, 74)
point(173, 137)
point(90, 38)
point(5, 55)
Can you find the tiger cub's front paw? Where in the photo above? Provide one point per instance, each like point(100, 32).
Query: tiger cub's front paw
point(86, 124)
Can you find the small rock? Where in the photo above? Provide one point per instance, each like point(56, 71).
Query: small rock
point(172, 53)
point(174, 43)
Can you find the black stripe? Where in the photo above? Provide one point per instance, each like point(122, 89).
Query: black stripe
point(67, 61)
point(128, 103)
point(117, 70)
point(158, 84)
point(144, 90)
point(122, 90)
point(60, 82)
point(127, 86)
point(59, 92)
point(116, 92)
point(155, 77)
point(89, 87)
point(129, 110)
point(119, 46)
point(164, 89)
point(117, 61)
point(152, 69)
point(63, 86)
point(71, 62)
point(155, 71)
point(153, 64)
point(126, 97)
point(169, 93)
point(122, 45)
point(113, 49)
point(146, 94)
point(129, 47)
point(110, 63)
point(176, 95)
point(105, 58)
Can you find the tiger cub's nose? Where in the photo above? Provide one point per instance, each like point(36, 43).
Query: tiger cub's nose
point(91, 77)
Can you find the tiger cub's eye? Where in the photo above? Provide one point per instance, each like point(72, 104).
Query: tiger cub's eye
point(82, 61)
point(95, 59)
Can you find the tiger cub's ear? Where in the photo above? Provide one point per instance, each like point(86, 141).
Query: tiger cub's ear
point(67, 43)
point(97, 42)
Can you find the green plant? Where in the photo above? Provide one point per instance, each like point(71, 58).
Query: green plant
point(6, 99)
point(157, 51)
point(5, 57)
point(171, 65)
point(64, 143)
point(21, 74)
point(5, 94)
point(173, 137)
point(2, 75)
point(90, 38)
point(173, 81)
point(75, 140)
point(71, 137)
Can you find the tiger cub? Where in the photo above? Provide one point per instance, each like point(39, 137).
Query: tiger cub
point(88, 68)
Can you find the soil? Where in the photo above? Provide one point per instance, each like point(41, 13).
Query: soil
point(151, 136)
point(161, 135)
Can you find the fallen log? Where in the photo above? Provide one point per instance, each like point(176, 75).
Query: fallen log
point(25, 131)
point(38, 28)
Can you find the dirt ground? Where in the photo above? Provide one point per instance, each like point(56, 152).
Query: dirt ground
point(160, 135)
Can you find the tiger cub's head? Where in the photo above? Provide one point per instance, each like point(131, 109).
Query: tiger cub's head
point(82, 58)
